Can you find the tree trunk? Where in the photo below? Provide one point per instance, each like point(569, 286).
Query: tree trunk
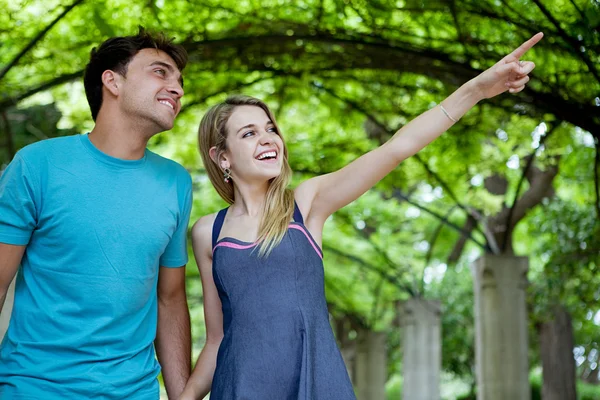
point(558, 363)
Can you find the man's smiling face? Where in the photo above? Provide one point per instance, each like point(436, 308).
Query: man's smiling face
point(152, 88)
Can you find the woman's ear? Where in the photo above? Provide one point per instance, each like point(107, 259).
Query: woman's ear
point(212, 152)
point(218, 159)
point(111, 81)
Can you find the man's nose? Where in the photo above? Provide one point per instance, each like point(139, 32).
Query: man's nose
point(176, 89)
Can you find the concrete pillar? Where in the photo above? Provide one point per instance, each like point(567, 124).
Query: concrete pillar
point(501, 343)
point(370, 367)
point(422, 349)
point(7, 309)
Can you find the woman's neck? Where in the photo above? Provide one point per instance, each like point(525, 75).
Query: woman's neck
point(249, 199)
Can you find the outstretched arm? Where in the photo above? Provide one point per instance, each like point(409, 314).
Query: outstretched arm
point(320, 197)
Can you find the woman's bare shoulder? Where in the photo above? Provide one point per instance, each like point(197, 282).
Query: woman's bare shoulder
point(202, 228)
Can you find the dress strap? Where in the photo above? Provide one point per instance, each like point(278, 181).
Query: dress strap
point(297, 214)
point(217, 225)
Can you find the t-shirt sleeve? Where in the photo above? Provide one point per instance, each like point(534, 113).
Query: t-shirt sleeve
point(18, 212)
point(176, 254)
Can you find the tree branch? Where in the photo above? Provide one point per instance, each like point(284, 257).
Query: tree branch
point(568, 39)
point(390, 278)
point(523, 175)
point(397, 56)
point(388, 55)
point(581, 14)
point(320, 13)
point(460, 244)
point(238, 86)
point(384, 128)
point(597, 178)
point(348, 310)
point(399, 195)
point(377, 296)
point(540, 187)
point(7, 102)
point(380, 251)
point(417, 157)
point(435, 236)
point(445, 186)
point(36, 39)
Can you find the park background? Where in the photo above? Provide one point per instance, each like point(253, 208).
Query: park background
point(406, 263)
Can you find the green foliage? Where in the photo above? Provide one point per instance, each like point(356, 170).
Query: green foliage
point(585, 391)
point(455, 290)
point(393, 388)
point(570, 266)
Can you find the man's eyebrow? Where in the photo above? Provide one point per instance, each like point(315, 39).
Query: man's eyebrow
point(170, 68)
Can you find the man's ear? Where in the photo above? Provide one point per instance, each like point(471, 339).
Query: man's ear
point(219, 159)
point(111, 81)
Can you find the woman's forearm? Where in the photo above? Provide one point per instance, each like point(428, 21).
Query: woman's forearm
point(200, 381)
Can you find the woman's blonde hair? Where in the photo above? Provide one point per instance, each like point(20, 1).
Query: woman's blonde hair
point(279, 202)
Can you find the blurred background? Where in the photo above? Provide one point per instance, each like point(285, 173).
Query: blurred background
point(414, 267)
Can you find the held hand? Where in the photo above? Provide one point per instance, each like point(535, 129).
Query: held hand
point(507, 74)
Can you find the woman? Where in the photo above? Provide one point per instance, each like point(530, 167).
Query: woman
point(268, 333)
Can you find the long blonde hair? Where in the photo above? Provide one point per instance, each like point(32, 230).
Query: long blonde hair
point(278, 207)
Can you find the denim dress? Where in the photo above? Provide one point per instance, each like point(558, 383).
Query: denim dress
point(278, 343)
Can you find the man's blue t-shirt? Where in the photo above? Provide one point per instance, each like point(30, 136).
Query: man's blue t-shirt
point(96, 228)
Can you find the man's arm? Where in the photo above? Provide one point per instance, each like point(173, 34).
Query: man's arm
point(10, 259)
point(173, 337)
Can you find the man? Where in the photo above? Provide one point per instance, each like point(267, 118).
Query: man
point(97, 224)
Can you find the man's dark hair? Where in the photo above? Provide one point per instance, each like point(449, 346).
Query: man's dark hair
point(116, 53)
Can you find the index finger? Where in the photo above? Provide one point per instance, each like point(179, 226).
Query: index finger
point(524, 48)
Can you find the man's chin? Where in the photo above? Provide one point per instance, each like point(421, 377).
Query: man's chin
point(165, 125)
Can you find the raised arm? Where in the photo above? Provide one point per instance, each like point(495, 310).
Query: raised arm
point(320, 197)
point(201, 380)
point(173, 343)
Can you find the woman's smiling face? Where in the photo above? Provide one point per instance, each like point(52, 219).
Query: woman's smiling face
point(254, 148)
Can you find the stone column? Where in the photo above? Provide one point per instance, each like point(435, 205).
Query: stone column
point(422, 349)
point(370, 367)
point(501, 343)
point(7, 309)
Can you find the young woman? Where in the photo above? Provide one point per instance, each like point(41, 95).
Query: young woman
point(260, 260)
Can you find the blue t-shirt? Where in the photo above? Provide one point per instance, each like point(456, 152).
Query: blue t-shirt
point(96, 228)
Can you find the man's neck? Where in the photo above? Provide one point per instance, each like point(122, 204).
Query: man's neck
point(119, 142)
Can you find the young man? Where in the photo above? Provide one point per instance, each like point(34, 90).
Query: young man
point(97, 224)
